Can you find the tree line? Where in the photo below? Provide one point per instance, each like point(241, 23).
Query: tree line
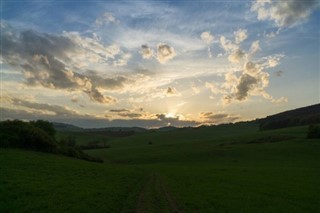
point(39, 136)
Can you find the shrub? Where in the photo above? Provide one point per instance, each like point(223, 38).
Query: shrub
point(38, 135)
point(313, 131)
point(68, 141)
point(19, 134)
point(45, 126)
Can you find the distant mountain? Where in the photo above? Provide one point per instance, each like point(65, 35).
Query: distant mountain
point(297, 117)
point(118, 129)
point(66, 127)
point(166, 129)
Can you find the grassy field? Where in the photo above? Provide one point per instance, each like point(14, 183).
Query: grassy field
point(230, 168)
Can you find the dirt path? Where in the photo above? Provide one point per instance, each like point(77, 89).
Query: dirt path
point(155, 197)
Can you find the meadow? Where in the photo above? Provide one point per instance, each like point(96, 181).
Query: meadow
point(226, 168)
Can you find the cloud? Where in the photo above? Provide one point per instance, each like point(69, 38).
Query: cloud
point(171, 91)
point(126, 113)
point(218, 118)
point(106, 18)
point(130, 115)
point(90, 50)
point(284, 13)
point(74, 100)
point(227, 45)
point(146, 52)
point(95, 95)
point(208, 39)
point(174, 121)
point(50, 60)
point(27, 110)
point(214, 88)
point(87, 121)
point(246, 83)
point(195, 89)
point(119, 110)
point(165, 53)
point(116, 82)
point(236, 56)
point(252, 81)
point(123, 60)
point(33, 110)
point(273, 62)
point(255, 47)
point(240, 35)
point(278, 73)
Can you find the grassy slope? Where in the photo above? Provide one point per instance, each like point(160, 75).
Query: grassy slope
point(40, 182)
point(206, 170)
point(82, 137)
point(217, 170)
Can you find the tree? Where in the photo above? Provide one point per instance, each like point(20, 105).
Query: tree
point(45, 126)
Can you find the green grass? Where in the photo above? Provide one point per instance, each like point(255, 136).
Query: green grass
point(83, 138)
point(39, 182)
point(232, 168)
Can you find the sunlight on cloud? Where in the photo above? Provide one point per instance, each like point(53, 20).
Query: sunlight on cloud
point(146, 52)
point(175, 61)
point(208, 39)
point(165, 53)
point(240, 35)
point(171, 91)
point(284, 13)
point(106, 17)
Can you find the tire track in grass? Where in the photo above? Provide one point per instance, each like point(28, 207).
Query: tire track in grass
point(155, 197)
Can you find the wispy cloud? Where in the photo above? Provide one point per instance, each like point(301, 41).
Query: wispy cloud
point(284, 13)
point(218, 118)
point(171, 91)
point(165, 53)
point(208, 38)
point(106, 18)
point(146, 52)
point(50, 60)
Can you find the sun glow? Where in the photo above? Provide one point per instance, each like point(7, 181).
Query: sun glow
point(171, 115)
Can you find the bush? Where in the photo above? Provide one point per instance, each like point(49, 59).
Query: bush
point(68, 141)
point(19, 134)
point(38, 136)
point(45, 126)
point(313, 132)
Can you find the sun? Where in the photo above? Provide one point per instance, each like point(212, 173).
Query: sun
point(170, 115)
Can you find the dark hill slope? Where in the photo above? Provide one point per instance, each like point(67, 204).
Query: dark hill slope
point(297, 117)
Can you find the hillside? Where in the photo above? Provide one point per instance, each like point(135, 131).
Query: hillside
point(227, 168)
point(297, 117)
point(224, 168)
point(66, 127)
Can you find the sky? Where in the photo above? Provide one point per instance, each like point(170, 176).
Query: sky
point(157, 63)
